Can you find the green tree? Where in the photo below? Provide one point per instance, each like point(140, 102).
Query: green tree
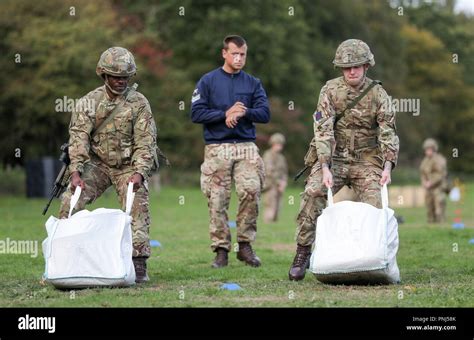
point(446, 111)
point(59, 44)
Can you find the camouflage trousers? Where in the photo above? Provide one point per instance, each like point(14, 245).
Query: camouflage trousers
point(222, 163)
point(362, 176)
point(271, 204)
point(435, 200)
point(97, 178)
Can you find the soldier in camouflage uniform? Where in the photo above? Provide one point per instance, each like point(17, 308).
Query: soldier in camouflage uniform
point(276, 177)
point(434, 174)
point(358, 148)
point(120, 152)
point(228, 102)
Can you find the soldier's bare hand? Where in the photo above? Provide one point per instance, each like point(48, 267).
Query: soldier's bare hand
point(137, 181)
point(233, 120)
point(233, 114)
point(386, 177)
point(238, 107)
point(327, 177)
point(282, 186)
point(76, 181)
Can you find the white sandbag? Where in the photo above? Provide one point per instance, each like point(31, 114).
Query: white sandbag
point(356, 243)
point(90, 248)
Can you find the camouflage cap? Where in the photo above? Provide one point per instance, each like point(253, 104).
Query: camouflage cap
point(353, 52)
point(430, 143)
point(116, 61)
point(277, 138)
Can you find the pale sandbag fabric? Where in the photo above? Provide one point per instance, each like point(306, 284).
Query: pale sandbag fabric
point(356, 243)
point(90, 248)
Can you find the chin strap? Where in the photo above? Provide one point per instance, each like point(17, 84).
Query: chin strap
point(111, 89)
point(365, 76)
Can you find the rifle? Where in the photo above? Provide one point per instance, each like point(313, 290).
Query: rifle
point(301, 172)
point(61, 180)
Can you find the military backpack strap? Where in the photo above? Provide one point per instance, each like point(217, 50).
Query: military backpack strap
point(162, 156)
point(353, 103)
point(114, 112)
point(311, 154)
point(157, 155)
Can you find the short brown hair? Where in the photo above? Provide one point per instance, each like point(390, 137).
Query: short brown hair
point(236, 39)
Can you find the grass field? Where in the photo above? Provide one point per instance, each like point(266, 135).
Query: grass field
point(436, 262)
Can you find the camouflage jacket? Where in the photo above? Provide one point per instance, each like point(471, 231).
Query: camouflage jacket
point(365, 132)
point(129, 140)
point(434, 169)
point(276, 168)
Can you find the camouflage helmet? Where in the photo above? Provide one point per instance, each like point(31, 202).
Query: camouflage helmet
point(116, 61)
point(430, 143)
point(277, 138)
point(353, 52)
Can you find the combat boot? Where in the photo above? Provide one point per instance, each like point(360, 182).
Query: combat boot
point(140, 269)
point(222, 258)
point(300, 263)
point(247, 255)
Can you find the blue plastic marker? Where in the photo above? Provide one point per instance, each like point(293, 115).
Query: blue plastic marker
point(155, 243)
point(231, 224)
point(458, 225)
point(471, 241)
point(231, 286)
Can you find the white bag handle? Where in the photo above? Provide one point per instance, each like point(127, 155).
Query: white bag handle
point(330, 198)
point(130, 198)
point(384, 196)
point(74, 199)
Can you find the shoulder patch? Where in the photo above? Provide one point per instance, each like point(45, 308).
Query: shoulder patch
point(317, 116)
point(196, 96)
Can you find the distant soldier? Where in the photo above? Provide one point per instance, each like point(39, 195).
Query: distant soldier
point(355, 140)
point(276, 177)
point(434, 174)
point(114, 144)
point(228, 102)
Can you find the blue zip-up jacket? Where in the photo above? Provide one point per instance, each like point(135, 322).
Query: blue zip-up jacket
point(215, 93)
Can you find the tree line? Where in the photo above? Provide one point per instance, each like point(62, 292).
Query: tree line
point(50, 50)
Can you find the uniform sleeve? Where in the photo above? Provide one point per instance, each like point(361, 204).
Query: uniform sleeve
point(80, 129)
point(201, 111)
point(144, 136)
point(260, 110)
point(439, 172)
point(422, 171)
point(281, 169)
point(387, 137)
point(324, 118)
point(269, 169)
point(284, 169)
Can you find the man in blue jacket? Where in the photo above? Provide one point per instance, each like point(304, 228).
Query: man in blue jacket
point(228, 102)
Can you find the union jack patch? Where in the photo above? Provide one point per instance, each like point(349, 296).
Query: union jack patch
point(317, 116)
